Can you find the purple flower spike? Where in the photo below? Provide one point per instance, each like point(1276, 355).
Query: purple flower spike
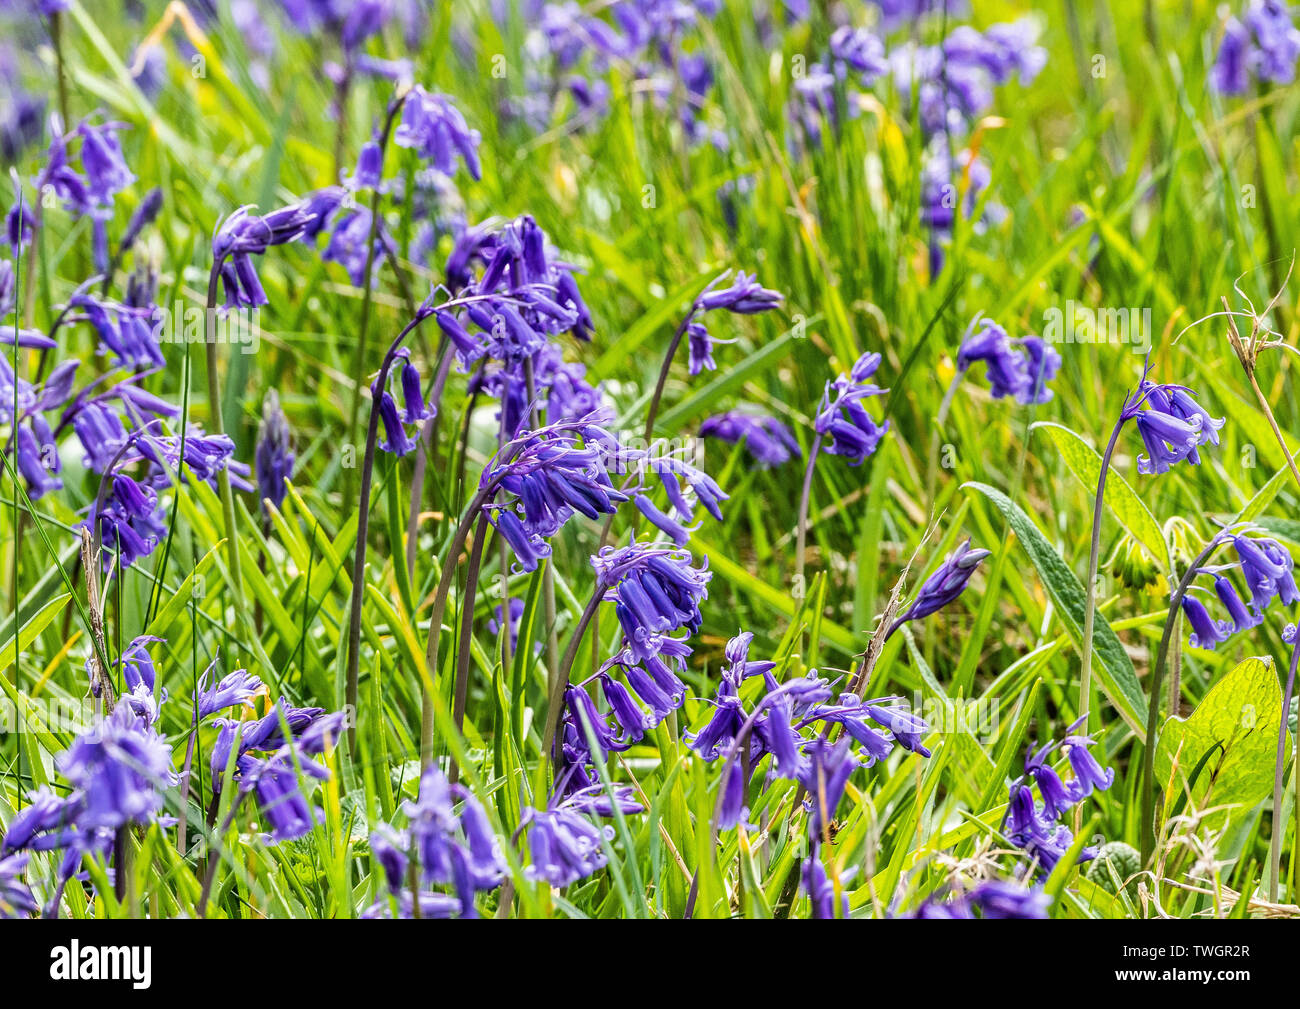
point(945, 585)
point(843, 420)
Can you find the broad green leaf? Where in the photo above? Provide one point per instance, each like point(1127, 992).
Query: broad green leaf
point(1239, 718)
point(1084, 462)
point(1115, 673)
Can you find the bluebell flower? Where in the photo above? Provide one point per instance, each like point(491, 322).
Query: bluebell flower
point(436, 130)
point(16, 900)
point(1089, 775)
point(818, 888)
point(459, 850)
point(1011, 371)
point(1263, 44)
point(122, 768)
point(824, 775)
point(767, 440)
point(744, 296)
point(1242, 618)
point(1206, 631)
point(565, 846)
point(655, 590)
point(1057, 797)
point(853, 714)
point(723, 726)
point(632, 721)
point(732, 808)
point(273, 458)
point(1267, 567)
point(276, 782)
point(349, 245)
point(101, 158)
point(388, 848)
point(990, 899)
point(944, 585)
point(843, 420)
point(232, 690)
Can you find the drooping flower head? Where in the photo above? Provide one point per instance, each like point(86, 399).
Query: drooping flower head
point(767, 440)
point(944, 585)
point(843, 420)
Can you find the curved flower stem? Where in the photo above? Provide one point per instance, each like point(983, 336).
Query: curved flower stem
point(1153, 700)
point(653, 413)
point(216, 427)
point(428, 445)
point(435, 619)
point(363, 530)
point(1279, 828)
point(367, 291)
point(556, 699)
point(801, 533)
point(548, 572)
point(1090, 590)
point(461, 695)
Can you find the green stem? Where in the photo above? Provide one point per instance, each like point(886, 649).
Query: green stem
point(1090, 600)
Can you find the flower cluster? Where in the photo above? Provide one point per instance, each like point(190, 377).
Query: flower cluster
point(1266, 566)
point(120, 771)
point(438, 847)
point(766, 439)
point(1262, 44)
point(1034, 827)
point(843, 420)
point(1173, 426)
point(1017, 368)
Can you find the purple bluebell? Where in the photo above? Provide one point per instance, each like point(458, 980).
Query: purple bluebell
point(273, 458)
point(1264, 43)
point(565, 846)
point(276, 782)
point(1089, 775)
point(458, 850)
point(944, 585)
point(237, 688)
point(433, 127)
point(824, 775)
point(854, 714)
point(1267, 567)
point(122, 768)
point(349, 244)
point(990, 899)
point(632, 721)
point(655, 592)
point(819, 889)
point(1242, 618)
point(768, 440)
point(744, 296)
point(732, 808)
point(843, 420)
point(16, 900)
point(1022, 374)
point(102, 161)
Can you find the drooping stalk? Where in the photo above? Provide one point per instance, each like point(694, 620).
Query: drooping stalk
point(461, 693)
point(1153, 698)
point(556, 699)
point(363, 530)
point(216, 427)
point(1090, 597)
point(367, 291)
point(436, 615)
point(1279, 828)
point(801, 533)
